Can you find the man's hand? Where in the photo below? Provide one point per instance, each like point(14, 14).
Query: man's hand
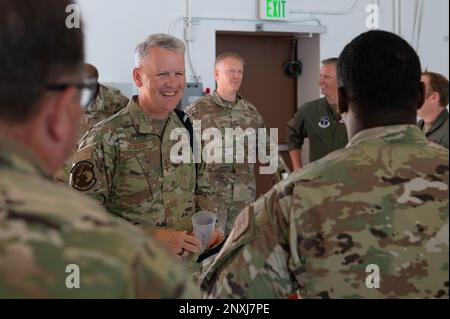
point(178, 242)
point(216, 238)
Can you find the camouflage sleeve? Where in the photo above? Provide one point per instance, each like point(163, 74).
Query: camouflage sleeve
point(93, 167)
point(296, 130)
point(255, 261)
point(113, 99)
point(191, 111)
point(157, 275)
point(203, 198)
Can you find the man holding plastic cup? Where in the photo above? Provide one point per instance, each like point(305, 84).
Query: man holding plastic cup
point(125, 161)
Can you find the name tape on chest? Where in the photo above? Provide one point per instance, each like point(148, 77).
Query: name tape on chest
point(83, 154)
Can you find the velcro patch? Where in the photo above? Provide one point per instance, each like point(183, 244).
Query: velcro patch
point(242, 223)
point(82, 176)
point(83, 154)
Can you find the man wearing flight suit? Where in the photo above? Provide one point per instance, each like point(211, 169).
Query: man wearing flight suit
point(54, 242)
point(366, 221)
point(107, 101)
point(232, 185)
point(318, 120)
point(433, 113)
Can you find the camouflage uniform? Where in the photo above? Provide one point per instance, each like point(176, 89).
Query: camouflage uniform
point(382, 200)
point(232, 185)
point(124, 162)
point(44, 228)
point(108, 102)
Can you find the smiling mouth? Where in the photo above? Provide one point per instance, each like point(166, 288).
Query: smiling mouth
point(168, 94)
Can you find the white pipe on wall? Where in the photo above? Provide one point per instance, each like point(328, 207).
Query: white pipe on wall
point(194, 18)
point(399, 18)
point(189, 38)
point(419, 25)
point(326, 12)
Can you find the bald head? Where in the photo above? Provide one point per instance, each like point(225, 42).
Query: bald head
point(90, 71)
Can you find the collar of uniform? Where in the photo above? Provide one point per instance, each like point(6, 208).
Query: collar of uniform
point(17, 156)
point(438, 122)
point(420, 124)
point(329, 106)
point(221, 102)
point(390, 134)
point(141, 121)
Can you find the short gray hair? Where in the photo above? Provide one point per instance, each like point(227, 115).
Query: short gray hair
point(160, 40)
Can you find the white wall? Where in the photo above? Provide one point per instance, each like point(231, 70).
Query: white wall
point(114, 27)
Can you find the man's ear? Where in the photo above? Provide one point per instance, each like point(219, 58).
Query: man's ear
point(216, 73)
point(421, 95)
point(60, 113)
point(342, 104)
point(436, 97)
point(137, 77)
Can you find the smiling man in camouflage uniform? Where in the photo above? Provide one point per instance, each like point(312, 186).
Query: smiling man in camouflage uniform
point(232, 185)
point(54, 242)
point(366, 221)
point(125, 161)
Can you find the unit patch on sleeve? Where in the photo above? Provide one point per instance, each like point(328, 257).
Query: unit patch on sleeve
point(82, 176)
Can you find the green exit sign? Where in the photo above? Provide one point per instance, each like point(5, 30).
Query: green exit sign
point(273, 10)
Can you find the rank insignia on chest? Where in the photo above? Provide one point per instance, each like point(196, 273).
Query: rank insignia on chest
point(82, 176)
point(324, 122)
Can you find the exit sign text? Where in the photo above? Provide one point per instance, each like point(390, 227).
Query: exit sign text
point(273, 9)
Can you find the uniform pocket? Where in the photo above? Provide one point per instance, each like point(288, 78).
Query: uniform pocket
point(137, 179)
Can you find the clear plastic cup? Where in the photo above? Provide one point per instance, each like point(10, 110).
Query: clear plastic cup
point(203, 224)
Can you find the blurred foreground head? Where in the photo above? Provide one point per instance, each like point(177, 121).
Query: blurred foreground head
point(41, 76)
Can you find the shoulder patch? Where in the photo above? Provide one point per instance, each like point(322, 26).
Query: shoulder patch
point(82, 176)
point(242, 223)
point(83, 154)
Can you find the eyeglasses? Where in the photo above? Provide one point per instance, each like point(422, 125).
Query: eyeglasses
point(88, 90)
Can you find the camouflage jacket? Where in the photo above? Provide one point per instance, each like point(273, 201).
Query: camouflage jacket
point(108, 102)
point(230, 182)
point(50, 235)
point(373, 212)
point(125, 164)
